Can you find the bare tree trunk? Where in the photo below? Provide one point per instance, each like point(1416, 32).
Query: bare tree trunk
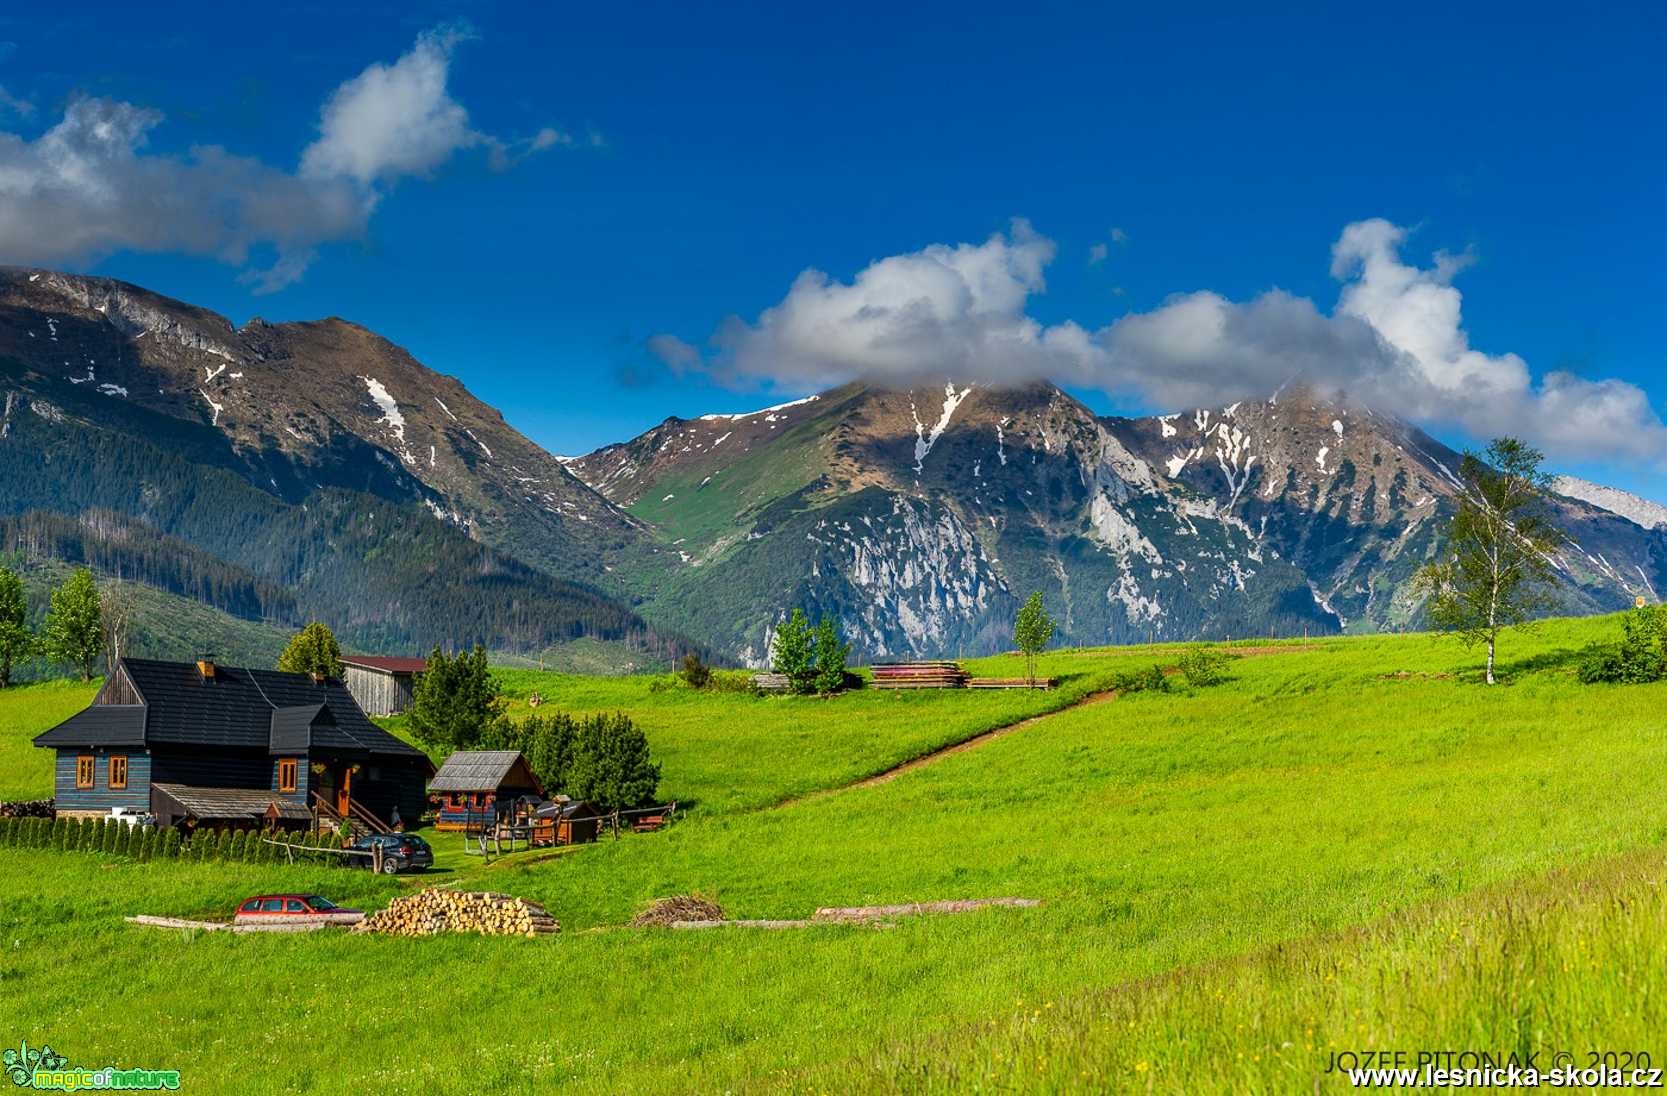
point(1490, 660)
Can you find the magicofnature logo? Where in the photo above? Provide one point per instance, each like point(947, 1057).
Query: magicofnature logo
point(42, 1068)
point(21, 1063)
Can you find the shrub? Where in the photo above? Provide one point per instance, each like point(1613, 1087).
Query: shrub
point(171, 844)
point(695, 673)
point(831, 653)
point(1640, 657)
point(1204, 666)
point(1152, 679)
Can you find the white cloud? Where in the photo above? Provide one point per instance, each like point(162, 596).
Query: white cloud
point(1395, 340)
point(394, 120)
point(89, 186)
point(1097, 254)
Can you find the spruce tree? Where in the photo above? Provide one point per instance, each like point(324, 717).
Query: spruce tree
point(456, 704)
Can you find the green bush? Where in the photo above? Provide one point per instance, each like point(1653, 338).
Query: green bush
point(1204, 666)
point(1640, 657)
point(695, 673)
point(1150, 680)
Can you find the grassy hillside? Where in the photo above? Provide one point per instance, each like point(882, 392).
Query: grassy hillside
point(1324, 788)
point(166, 625)
point(26, 711)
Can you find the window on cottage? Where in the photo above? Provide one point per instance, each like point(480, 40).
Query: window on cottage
point(84, 771)
point(288, 774)
point(118, 771)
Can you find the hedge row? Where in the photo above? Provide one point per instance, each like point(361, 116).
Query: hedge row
point(109, 837)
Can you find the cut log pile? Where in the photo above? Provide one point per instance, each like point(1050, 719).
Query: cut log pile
point(920, 675)
point(438, 910)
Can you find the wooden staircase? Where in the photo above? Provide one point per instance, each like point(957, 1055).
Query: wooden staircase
point(360, 821)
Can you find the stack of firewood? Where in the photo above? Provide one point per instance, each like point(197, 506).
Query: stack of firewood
point(438, 910)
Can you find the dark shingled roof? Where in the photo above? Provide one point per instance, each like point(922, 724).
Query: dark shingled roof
point(474, 771)
point(237, 708)
point(99, 725)
point(221, 804)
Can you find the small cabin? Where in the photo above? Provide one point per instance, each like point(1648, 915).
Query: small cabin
point(474, 788)
point(382, 684)
point(567, 822)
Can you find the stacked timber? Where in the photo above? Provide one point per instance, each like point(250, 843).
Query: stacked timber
point(771, 683)
point(1009, 683)
point(919, 675)
point(437, 910)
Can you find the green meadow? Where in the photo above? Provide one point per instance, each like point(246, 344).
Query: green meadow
point(1348, 844)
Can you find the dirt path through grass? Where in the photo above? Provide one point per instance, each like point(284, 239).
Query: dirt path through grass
point(1088, 701)
point(972, 743)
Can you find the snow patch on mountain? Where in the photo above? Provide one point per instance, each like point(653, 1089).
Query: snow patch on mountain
point(760, 411)
point(391, 418)
point(925, 441)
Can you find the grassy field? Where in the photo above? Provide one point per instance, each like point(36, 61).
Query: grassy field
point(25, 711)
point(1331, 810)
point(725, 752)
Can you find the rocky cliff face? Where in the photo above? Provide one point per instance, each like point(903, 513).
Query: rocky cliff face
point(919, 518)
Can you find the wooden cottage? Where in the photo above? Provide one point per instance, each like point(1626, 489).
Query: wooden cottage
point(475, 788)
point(382, 684)
point(230, 747)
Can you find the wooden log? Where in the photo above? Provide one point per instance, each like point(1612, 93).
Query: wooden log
point(175, 923)
point(762, 924)
point(907, 909)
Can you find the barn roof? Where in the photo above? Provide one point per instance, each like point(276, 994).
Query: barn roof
point(387, 664)
point(221, 804)
point(475, 771)
point(235, 708)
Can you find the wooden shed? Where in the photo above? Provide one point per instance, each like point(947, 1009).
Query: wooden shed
point(468, 789)
point(567, 822)
point(383, 684)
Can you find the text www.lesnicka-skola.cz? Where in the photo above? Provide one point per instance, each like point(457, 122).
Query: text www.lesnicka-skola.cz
point(1484, 1069)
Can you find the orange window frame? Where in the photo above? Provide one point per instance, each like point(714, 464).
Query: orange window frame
point(85, 771)
point(118, 770)
point(289, 774)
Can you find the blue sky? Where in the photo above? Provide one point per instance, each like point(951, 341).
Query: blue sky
point(693, 162)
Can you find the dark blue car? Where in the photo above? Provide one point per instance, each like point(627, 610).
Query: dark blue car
point(400, 852)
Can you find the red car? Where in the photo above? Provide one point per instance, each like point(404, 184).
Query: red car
point(294, 909)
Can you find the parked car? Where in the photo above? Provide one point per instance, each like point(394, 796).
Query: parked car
point(400, 852)
point(293, 909)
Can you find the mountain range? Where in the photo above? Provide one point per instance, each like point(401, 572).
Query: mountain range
point(335, 477)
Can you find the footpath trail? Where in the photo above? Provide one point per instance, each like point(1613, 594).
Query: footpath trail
point(932, 756)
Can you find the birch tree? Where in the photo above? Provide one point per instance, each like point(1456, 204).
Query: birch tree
point(1499, 571)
